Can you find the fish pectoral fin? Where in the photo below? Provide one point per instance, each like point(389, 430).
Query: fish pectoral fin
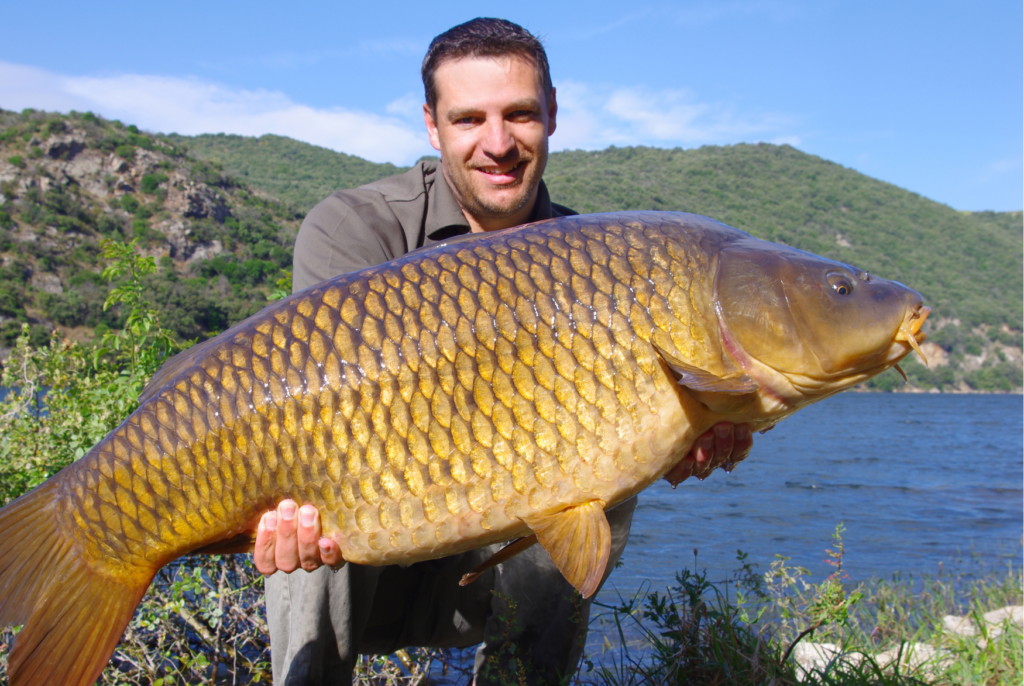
point(702, 380)
point(579, 542)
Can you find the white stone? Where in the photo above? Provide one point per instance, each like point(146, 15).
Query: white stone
point(959, 626)
point(819, 657)
point(48, 283)
point(913, 657)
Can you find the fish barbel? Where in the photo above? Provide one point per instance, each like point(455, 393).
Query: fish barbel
point(511, 383)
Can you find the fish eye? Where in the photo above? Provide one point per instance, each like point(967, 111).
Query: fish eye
point(840, 284)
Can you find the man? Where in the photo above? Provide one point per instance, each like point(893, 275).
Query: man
point(490, 109)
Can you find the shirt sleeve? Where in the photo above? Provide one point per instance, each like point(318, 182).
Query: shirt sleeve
point(349, 231)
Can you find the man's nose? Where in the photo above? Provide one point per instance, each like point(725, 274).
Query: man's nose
point(498, 140)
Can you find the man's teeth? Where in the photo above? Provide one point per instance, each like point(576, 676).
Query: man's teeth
point(495, 172)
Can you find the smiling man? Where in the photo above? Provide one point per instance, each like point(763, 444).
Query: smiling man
point(490, 109)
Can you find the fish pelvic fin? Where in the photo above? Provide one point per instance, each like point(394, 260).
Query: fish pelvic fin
point(507, 553)
point(579, 542)
point(73, 617)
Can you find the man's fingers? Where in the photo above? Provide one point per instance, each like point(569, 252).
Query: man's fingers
point(263, 553)
point(330, 553)
point(682, 471)
point(309, 538)
point(724, 441)
point(286, 553)
point(744, 442)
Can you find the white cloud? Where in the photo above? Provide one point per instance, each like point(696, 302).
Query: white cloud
point(409, 106)
point(595, 117)
point(192, 106)
point(589, 117)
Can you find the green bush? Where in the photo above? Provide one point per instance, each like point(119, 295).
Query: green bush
point(130, 203)
point(17, 161)
point(150, 182)
point(35, 152)
point(125, 152)
point(999, 377)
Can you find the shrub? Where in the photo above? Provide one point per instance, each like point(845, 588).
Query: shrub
point(125, 152)
point(150, 182)
point(130, 203)
point(17, 161)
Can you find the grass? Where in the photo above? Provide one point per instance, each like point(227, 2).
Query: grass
point(740, 631)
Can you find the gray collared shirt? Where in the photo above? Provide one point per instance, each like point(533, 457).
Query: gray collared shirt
point(366, 226)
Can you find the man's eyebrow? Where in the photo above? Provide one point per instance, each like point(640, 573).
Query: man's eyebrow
point(524, 104)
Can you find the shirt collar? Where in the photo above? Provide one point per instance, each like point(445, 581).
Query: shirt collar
point(444, 214)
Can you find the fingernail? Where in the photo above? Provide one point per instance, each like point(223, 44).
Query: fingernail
point(306, 515)
point(270, 521)
point(325, 545)
point(706, 444)
point(722, 430)
point(287, 510)
point(742, 433)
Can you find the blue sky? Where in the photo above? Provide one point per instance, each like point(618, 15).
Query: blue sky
point(925, 95)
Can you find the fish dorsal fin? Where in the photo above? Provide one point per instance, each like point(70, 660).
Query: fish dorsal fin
point(579, 542)
point(702, 380)
point(173, 367)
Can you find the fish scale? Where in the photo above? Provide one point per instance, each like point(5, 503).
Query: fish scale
point(501, 384)
point(421, 405)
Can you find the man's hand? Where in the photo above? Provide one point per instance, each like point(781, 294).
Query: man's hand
point(289, 538)
point(723, 443)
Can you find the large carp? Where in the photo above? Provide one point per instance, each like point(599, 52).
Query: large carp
point(514, 383)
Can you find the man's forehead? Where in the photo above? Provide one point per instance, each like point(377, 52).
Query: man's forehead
point(466, 68)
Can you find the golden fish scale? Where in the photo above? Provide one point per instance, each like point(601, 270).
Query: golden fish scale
point(424, 405)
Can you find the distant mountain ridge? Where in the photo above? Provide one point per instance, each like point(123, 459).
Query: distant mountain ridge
point(968, 265)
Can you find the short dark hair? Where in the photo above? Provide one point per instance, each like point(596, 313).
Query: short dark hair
point(482, 37)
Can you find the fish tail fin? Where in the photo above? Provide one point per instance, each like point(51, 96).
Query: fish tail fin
point(73, 616)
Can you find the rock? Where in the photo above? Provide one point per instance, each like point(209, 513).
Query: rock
point(205, 251)
point(822, 657)
point(913, 657)
point(201, 205)
point(48, 283)
point(996, 623)
point(1011, 613)
point(65, 147)
point(959, 626)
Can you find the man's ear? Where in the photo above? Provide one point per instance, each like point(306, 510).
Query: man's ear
point(428, 120)
point(552, 111)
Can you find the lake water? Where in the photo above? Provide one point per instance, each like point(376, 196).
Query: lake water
point(917, 479)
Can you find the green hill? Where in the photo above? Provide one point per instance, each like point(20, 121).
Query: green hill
point(298, 173)
point(967, 265)
point(69, 182)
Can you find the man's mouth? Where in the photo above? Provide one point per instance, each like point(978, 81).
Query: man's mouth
point(503, 174)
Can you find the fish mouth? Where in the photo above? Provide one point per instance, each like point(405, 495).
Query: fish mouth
point(910, 330)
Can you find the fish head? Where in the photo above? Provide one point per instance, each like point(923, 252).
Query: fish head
point(811, 325)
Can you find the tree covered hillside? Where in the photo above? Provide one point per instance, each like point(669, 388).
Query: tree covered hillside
point(295, 172)
point(69, 182)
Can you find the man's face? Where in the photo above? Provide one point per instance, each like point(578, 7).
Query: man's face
point(491, 126)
